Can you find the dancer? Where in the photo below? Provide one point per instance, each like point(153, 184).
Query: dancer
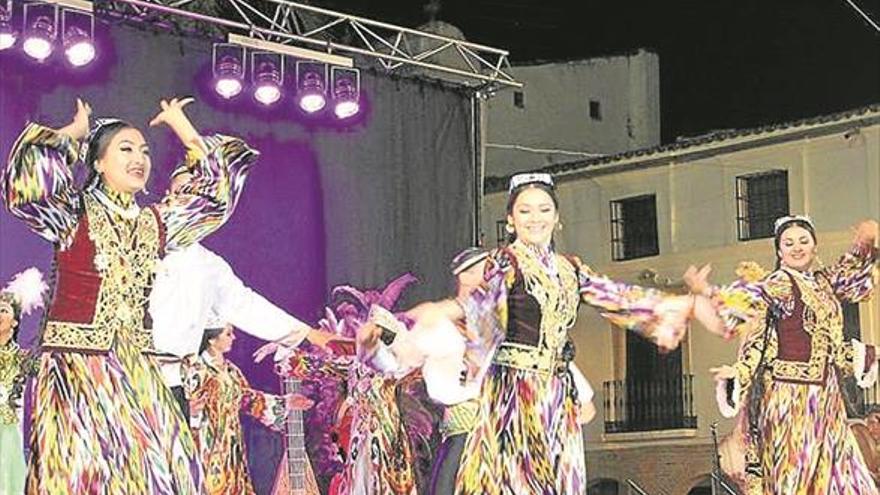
point(103, 420)
point(194, 286)
point(527, 437)
point(790, 367)
point(218, 392)
point(441, 354)
point(23, 294)
point(379, 458)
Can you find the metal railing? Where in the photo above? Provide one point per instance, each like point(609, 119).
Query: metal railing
point(649, 405)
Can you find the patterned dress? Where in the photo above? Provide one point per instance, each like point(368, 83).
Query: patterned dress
point(527, 438)
point(225, 393)
point(380, 460)
point(103, 422)
point(12, 469)
point(805, 446)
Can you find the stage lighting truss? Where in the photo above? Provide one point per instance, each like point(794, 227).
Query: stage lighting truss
point(288, 23)
point(40, 30)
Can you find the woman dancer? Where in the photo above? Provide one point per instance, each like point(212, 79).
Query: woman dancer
point(795, 355)
point(527, 437)
point(218, 392)
point(103, 421)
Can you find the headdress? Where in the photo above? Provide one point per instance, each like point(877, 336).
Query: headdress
point(467, 258)
point(25, 292)
point(520, 180)
point(783, 221)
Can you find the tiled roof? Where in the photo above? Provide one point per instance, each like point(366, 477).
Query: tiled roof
point(493, 184)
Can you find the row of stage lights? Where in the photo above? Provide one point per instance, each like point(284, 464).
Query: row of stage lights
point(40, 29)
point(317, 83)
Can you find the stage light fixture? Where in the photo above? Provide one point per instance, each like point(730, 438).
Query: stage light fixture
point(228, 69)
point(40, 21)
point(268, 76)
point(346, 91)
point(8, 35)
point(79, 37)
point(311, 84)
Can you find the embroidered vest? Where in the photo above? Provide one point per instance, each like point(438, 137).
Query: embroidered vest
point(541, 310)
point(103, 281)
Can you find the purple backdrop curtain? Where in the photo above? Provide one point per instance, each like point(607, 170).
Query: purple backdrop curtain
point(325, 205)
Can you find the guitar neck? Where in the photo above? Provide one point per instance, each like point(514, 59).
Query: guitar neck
point(296, 447)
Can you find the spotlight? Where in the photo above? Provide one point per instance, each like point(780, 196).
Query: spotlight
point(268, 74)
point(39, 37)
point(346, 91)
point(79, 35)
point(311, 83)
point(228, 69)
point(78, 47)
point(7, 32)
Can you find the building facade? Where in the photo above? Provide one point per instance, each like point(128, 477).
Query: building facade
point(573, 109)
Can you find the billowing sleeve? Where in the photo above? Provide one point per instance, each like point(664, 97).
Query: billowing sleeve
point(269, 409)
point(751, 295)
point(858, 360)
point(207, 200)
point(37, 184)
point(852, 277)
point(247, 310)
point(649, 312)
point(486, 308)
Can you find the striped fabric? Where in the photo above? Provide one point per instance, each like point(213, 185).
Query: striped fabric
point(527, 440)
point(107, 424)
point(808, 448)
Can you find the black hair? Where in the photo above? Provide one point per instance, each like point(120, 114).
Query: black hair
point(207, 336)
point(511, 199)
point(777, 238)
point(98, 144)
point(16, 313)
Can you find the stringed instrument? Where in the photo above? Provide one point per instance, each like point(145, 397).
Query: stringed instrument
point(295, 475)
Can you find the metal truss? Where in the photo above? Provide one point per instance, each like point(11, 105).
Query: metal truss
point(393, 47)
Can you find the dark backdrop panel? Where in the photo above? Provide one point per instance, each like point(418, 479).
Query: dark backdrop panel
point(325, 205)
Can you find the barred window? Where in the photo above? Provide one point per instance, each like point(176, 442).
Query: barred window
point(634, 228)
point(760, 200)
point(595, 110)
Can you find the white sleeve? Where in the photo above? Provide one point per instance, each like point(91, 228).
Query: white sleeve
point(384, 361)
point(247, 310)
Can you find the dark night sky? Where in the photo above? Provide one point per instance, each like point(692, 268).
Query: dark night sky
point(723, 64)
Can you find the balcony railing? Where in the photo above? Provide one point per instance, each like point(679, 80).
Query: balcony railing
point(649, 405)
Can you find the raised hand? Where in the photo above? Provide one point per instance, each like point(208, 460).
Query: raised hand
point(866, 232)
point(173, 116)
point(78, 128)
point(367, 338)
point(697, 280)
